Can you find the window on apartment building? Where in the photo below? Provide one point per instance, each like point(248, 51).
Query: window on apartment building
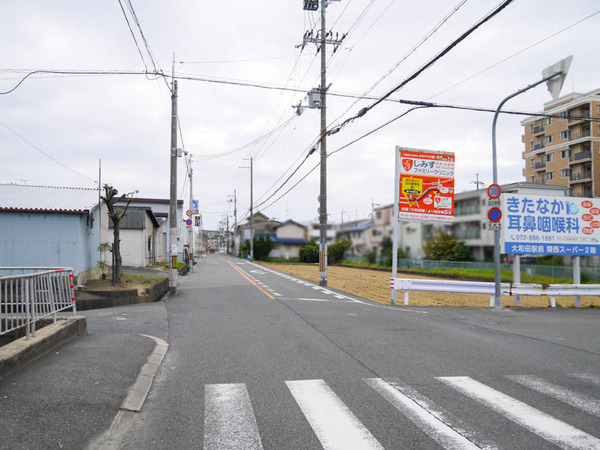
point(548, 157)
point(531, 145)
point(378, 215)
point(532, 179)
point(565, 173)
point(565, 134)
point(564, 115)
point(532, 162)
point(565, 154)
point(531, 128)
point(548, 120)
point(549, 139)
point(549, 176)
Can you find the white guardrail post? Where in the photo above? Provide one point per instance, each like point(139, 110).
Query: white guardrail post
point(480, 287)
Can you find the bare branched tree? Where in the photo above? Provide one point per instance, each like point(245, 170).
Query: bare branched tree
point(110, 198)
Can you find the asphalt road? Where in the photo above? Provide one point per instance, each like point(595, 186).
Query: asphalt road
point(259, 359)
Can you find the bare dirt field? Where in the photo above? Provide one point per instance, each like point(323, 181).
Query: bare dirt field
point(375, 285)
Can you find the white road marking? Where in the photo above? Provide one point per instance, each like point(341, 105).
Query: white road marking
point(593, 379)
point(588, 404)
point(333, 423)
point(423, 413)
point(534, 420)
point(313, 299)
point(276, 294)
point(229, 421)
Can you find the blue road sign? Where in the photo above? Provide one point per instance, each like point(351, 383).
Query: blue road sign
point(494, 214)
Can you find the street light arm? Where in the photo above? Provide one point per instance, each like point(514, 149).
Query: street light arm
point(497, 113)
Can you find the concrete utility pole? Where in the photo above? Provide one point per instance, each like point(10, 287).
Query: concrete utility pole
point(234, 218)
point(173, 196)
point(321, 40)
point(251, 208)
point(191, 229)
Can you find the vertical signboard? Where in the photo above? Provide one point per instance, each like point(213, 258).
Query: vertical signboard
point(426, 185)
point(546, 225)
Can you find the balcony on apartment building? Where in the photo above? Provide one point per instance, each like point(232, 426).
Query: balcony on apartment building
point(579, 115)
point(583, 176)
point(539, 129)
point(582, 190)
point(573, 136)
point(540, 165)
point(580, 157)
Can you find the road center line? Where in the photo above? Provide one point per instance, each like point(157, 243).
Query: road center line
point(251, 281)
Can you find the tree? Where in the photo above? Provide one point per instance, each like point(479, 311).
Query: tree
point(387, 248)
point(444, 247)
point(263, 244)
point(110, 198)
point(309, 253)
point(335, 252)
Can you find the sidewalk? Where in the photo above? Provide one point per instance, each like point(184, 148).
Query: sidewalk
point(71, 395)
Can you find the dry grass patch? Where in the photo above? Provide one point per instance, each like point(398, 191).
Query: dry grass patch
point(375, 285)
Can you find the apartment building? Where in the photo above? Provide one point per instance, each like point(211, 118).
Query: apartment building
point(564, 150)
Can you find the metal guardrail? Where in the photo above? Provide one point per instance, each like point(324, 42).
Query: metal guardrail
point(482, 287)
point(29, 297)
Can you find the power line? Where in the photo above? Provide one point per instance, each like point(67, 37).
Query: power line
point(133, 35)
point(43, 152)
point(431, 62)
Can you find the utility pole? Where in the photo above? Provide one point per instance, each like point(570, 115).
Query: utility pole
point(321, 40)
point(234, 219)
point(173, 196)
point(227, 235)
point(191, 230)
point(251, 207)
point(477, 183)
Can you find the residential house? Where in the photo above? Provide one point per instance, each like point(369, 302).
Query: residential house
point(161, 208)
point(314, 231)
point(356, 231)
point(142, 237)
point(51, 226)
point(289, 237)
point(261, 224)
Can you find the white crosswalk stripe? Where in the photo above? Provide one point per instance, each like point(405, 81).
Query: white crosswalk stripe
point(583, 402)
point(534, 420)
point(333, 423)
point(429, 417)
point(230, 423)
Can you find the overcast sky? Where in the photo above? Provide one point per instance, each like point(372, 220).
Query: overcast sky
point(124, 120)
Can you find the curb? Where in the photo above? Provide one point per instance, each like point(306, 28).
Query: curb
point(133, 403)
point(140, 389)
point(21, 351)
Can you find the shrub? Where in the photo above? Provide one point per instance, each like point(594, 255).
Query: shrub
point(335, 252)
point(309, 253)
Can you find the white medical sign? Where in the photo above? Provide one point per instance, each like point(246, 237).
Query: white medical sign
point(534, 224)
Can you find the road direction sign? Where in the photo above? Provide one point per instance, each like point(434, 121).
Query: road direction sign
point(494, 214)
point(494, 191)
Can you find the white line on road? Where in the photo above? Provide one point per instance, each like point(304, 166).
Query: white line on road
point(423, 413)
point(229, 421)
point(333, 423)
point(588, 404)
point(534, 420)
point(593, 379)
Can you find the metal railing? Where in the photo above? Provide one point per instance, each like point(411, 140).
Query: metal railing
point(29, 297)
point(487, 288)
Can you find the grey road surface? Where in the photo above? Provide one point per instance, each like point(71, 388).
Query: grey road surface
point(259, 359)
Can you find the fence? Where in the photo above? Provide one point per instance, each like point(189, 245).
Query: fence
point(591, 274)
point(29, 297)
point(479, 287)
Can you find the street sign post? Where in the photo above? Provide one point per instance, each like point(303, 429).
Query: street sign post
point(494, 191)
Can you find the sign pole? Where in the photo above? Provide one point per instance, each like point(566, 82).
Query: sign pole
point(395, 222)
